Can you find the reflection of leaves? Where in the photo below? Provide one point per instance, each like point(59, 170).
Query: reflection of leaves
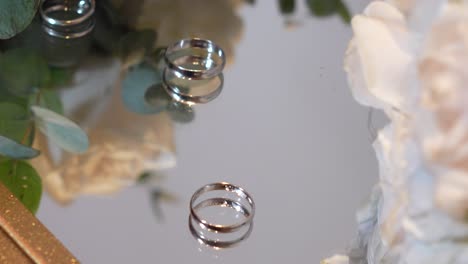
point(135, 45)
point(14, 150)
point(16, 15)
point(134, 87)
point(157, 97)
point(323, 8)
point(23, 181)
point(286, 6)
point(60, 130)
point(181, 113)
point(159, 196)
point(21, 71)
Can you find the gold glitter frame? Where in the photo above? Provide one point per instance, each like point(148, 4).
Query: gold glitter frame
point(23, 239)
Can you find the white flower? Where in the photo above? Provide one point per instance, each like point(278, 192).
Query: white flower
point(412, 64)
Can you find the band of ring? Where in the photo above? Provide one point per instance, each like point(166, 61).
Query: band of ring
point(208, 45)
point(175, 93)
point(217, 243)
point(58, 22)
point(229, 188)
point(68, 35)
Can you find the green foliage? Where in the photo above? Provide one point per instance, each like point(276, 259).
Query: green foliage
point(59, 77)
point(16, 15)
point(14, 150)
point(22, 71)
point(51, 100)
point(286, 6)
point(60, 130)
point(322, 8)
point(12, 111)
point(23, 181)
point(14, 121)
point(344, 12)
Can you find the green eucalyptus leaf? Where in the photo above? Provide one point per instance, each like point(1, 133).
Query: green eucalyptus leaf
point(11, 111)
point(135, 85)
point(344, 12)
point(22, 71)
point(23, 181)
point(286, 6)
point(7, 97)
point(11, 149)
point(60, 77)
point(61, 130)
point(14, 129)
point(323, 7)
point(14, 121)
point(134, 45)
point(16, 15)
point(51, 100)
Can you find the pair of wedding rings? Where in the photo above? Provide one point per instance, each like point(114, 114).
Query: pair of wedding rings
point(67, 19)
point(218, 235)
point(193, 72)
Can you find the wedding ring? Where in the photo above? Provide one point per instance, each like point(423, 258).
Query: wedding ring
point(67, 18)
point(190, 95)
point(217, 243)
point(225, 202)
point(206, 58)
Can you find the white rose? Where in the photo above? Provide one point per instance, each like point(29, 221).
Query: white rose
point(411, 63)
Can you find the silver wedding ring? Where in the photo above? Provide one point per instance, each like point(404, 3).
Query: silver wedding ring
point(242, 204)
point(193, 72)
point(206, 58)
point(67, 18)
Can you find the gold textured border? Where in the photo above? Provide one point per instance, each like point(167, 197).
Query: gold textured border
point(23, 239)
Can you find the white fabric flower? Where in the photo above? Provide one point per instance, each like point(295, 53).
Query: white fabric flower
point(412, 64)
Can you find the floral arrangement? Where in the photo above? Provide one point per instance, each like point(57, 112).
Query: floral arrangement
point(408, 59)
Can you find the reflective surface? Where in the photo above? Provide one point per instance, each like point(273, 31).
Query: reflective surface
point(285, 127)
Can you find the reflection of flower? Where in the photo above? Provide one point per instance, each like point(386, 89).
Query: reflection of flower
point(176, 19)
point(122, 144)
point(338, 259)
point(412, 65)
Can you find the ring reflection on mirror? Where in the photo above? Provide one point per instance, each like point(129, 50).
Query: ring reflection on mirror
point(215, 239)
